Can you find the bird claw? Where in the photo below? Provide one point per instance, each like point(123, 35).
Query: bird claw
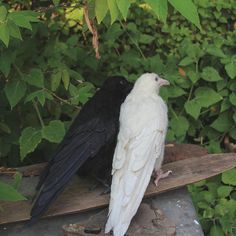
point(159, 174)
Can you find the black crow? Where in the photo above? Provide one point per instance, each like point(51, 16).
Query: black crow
point(88, 145)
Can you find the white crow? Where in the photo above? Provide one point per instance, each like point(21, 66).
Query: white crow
point(139, 150)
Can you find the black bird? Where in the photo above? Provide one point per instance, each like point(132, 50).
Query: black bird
point(88, 145)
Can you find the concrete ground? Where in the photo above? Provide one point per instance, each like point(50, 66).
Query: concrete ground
point(176, 205)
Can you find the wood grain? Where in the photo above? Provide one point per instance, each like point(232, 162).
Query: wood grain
point(79, 198)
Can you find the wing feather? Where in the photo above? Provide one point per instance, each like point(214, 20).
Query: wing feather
point(84, 143)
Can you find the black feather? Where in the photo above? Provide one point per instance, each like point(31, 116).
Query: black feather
point(88, 145)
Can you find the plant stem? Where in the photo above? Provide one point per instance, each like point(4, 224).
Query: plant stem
point(33, 101)
point(190, 93)
point(18, 70)
point(60, 99)
point(175, 115)
point(38, 113)
point(134, 42)
point(191, 89)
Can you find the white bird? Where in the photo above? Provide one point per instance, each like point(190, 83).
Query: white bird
point(139, 150)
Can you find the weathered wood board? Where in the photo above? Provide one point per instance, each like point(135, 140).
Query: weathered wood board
point(79, 198)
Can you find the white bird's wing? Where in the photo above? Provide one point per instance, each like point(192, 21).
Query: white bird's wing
point(133, 163)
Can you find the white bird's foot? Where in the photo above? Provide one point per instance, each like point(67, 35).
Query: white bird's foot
point(159, 174)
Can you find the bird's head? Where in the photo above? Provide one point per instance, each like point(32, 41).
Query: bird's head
point(117, 84)
point(150, 82)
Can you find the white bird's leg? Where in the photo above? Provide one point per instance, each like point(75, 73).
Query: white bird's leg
point(159, 174)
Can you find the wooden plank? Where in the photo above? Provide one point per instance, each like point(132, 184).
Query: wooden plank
point(173, 152)
point(79, 198)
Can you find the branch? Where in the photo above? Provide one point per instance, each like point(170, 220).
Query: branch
point(92, 28)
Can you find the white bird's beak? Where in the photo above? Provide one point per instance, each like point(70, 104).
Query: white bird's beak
point(163, 82)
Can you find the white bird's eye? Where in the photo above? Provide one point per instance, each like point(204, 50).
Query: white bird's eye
point(156, 78)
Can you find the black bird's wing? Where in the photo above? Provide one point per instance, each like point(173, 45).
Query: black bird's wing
point(80, 143)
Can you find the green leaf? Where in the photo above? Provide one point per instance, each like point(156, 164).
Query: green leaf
point(14, 30)
point(56, 80)
point(193, 108)
point(160, 8)
point(208, 213)
point(14, 91)
point(65, 78)
point(223, 123)
point(224, 191)
point(203, 205)
point(56, 2)
point(231, 69)
point(23, 18)
point(225, 105)
point(229, 177)
point(208, 196)
point(114, 11)
point(123, 6)
point(186, 61)
point(8, 193)
point(232, 133)
point(54, 132)
point(146, 38)
point(179, 125)
point(188, 10)
point(232, 98)
point(6, 60)
point(85, 93)
point(221, 84)
point(193, 76)
point(210, 74)
point(215, 51)
point(74, 92)
point(207, 96)
point(40, 95)
point(19, 20)
point(35, 77)
point(174, 91)
point(4, 34)
point(220, 210)
point(170, 136)
point(216, 231)
point(29, 140)
point(101, 9)
point(3, 13)
point(214, 147)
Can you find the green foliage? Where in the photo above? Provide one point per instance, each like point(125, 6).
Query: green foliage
point(29, 140)
point(8, 192)
point(12, 21)
point(15, 91)
point(215, 201)
point(54, 132)
point(187, 9)
point(118, 9)
point(229, 177)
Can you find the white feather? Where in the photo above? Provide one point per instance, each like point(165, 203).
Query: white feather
point(143, 124)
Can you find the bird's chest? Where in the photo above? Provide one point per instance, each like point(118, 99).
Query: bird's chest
point(141, 113)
